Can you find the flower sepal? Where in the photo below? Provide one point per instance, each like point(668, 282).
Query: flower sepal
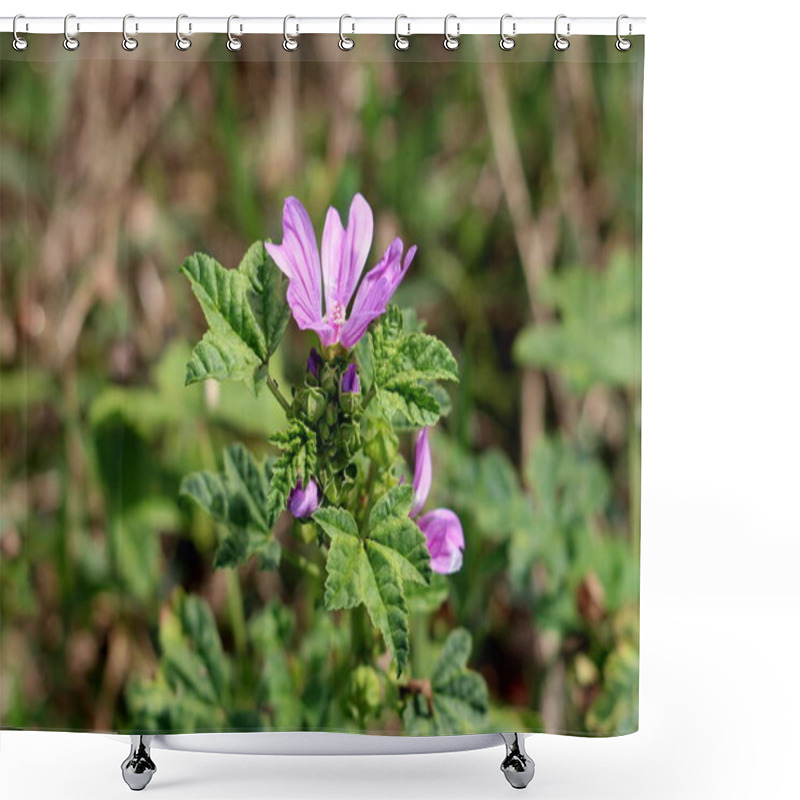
point(310, 404)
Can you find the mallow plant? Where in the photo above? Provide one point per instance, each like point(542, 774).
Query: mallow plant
point(371, 388)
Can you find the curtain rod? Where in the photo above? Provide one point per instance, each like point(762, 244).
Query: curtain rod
point(348, 25)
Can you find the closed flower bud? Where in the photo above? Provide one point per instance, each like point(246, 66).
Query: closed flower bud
point(311, 403)
point(303, 502)
point(350, 382)
point(314, 363)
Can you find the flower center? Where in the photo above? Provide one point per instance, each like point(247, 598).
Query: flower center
point(336, 315)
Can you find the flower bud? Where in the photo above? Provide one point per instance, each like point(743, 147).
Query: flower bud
point(314, 363)
point(350, 382)
point(311, 403)
point(303, 502)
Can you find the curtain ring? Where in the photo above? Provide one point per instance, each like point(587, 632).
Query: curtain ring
point(507, 42)
point(181, 41)
point(561, 43)
point(290, 43)
point(70, 42)
point(345, 43)
point(401, 42)
point(623, 44)
point(19, 43)
point(234, 43)
point(451, 42)
point(129, 43)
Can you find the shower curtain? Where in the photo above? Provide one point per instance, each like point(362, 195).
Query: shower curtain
point(319, 386)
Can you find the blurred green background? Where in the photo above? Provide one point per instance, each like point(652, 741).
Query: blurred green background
point(518, 177)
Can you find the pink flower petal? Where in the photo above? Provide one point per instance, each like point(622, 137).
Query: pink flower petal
point(344, 253)
point(423, 472)
point(376, 291)
point(445, 538)
point(298, 258)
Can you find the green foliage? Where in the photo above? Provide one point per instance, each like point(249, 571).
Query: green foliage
point(266, 295)
point(615, 710)
point(246, 311)
point(404, 367)
point(193, 689)
point(457, 700)
point(372, 570)
point(237, 499)
point(98, 429)
point(296, 462)
point(596, 339)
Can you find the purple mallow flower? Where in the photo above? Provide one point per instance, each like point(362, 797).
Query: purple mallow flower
point(303, 502)
point(350, 381)
point(314, 363)
point(442, 528)
point(321, 289)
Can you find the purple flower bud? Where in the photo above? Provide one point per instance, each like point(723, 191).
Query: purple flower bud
point(303, 502)
point(350, 381)
point(445, 539)
point(314, 362)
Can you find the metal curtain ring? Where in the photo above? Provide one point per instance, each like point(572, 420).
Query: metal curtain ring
point(345, 43)
point(181, 41)
point(401, 42)
point(506, 41)
point(560, 43)
point(451, 42)
point(19, 43)
point(70, 42)
point(623, 44)
point(234, 43)
point(290, 43)
point(129, 43)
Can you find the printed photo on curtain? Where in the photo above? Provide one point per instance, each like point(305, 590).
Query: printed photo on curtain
point(320, 386)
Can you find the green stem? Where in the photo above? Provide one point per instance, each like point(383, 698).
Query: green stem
point(368, 396)
point(420, 645)
point(273, 387)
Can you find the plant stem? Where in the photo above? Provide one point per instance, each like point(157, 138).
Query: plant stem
point(368, 396)
point(273, 387)
point(420, 645)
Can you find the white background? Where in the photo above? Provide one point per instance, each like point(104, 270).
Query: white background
point(720, 679)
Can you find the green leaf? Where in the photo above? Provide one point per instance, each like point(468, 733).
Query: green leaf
point(234, 346)
point(237, 499)
point(598, 336)
point(222, 358)
point(396, 502)
point(459, 696)
point(372, 571)
point(279, 690)
point(345, 586)
point(404, 367)
point(192, 651)
point(299, 445)
point(401, 542)
point(266, 294)
point(412, 401)
point(423, 358)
